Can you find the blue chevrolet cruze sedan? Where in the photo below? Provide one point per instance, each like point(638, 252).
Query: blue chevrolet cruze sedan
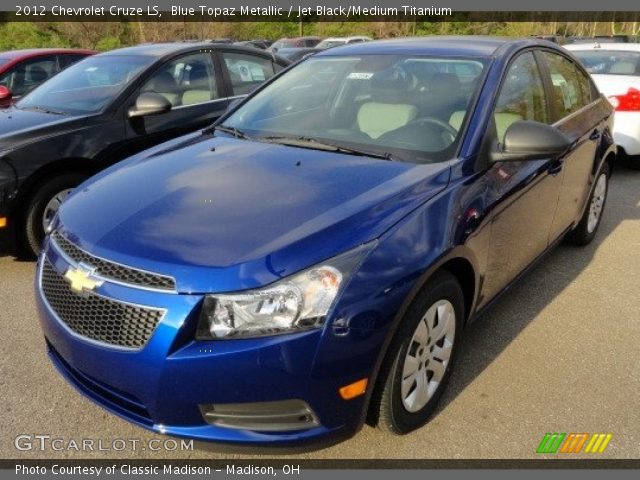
point(310, 262)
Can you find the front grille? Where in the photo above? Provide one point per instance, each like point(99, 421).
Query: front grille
point(96, 317)
point(113, 271)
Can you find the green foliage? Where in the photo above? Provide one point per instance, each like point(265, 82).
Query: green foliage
point(110, 35)
point(16, 35)
point(109, 43)
point(340, 29)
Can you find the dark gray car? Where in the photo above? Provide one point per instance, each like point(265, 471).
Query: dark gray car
point(106, 108)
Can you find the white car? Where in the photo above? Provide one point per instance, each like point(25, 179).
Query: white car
point(338, 41)
point(615, 68)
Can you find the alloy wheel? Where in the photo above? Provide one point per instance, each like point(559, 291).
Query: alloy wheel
point(52, 207)
point(428, 355)
point(597, 203)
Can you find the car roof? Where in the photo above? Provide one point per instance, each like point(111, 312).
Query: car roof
point(634, 47)
point(470, 45)
point(160, 50)
point(333, 39)
point(306, 37)
point(31, 52)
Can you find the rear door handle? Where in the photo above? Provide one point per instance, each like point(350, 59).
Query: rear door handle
point(595, 135)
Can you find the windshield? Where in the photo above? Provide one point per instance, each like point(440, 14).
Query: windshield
point(284, 44)
point(402, 107)
point(609, 62)
point(330, 44)
point(87, 86)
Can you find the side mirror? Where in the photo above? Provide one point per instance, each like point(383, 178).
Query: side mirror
point(527, 140)
point(149, 103)
point(5, 95)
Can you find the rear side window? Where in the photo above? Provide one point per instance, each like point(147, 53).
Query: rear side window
point(522, 95)
point(609, 62)
point(247, 72)
point(572, 90)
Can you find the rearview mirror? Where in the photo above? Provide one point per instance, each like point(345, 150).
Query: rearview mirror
point(527, 140)
point(149, 103)
point(5, 95)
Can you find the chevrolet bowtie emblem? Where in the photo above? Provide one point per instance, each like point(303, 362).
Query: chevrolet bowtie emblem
point(80, 279)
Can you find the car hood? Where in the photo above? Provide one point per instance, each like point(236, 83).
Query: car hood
point(223, 214)
point(19, 127)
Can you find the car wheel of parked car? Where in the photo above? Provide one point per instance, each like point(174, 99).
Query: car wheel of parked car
point(586, 230)
point(43, 206)
point(632, 162)
point(421, 356)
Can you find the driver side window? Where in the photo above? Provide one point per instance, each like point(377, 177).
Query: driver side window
point(522, 95)
point(27, 75)
point(188, 80)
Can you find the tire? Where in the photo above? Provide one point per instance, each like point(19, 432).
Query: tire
point(587, 228)
point(31, 231)
point(632, 162)
point(402, 408)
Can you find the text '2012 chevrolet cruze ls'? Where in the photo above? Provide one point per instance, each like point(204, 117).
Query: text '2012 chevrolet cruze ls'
point(311, 261)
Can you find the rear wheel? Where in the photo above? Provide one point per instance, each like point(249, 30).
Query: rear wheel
point(421, 356)
point(42, 208)
point(586, 229)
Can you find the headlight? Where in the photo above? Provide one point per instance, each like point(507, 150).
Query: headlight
point(300, 302)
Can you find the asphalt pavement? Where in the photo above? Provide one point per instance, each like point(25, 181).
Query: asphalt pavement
point(559, 352)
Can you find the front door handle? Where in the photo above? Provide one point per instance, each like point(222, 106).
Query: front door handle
point(555, 168)
point(595, 135)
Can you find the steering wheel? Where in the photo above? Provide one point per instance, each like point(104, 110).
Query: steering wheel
point(436, 121)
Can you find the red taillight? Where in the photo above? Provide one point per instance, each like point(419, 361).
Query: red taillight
point(629, 102)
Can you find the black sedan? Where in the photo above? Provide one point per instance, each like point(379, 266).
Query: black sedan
point(298, 53)
point(106, 108)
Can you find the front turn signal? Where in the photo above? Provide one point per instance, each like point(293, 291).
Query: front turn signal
point(354, 389)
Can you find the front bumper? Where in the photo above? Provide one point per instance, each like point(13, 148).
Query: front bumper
point(8, 191)
point(164, 385)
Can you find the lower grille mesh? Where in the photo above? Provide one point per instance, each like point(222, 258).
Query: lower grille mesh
point(98, 318)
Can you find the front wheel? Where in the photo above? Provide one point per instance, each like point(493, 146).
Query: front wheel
point(42, 208)
point(586, 229)
point(421, 356)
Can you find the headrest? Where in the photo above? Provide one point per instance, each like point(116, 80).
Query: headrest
point(37, 74)
point(164, 82)
point(376, 119)
point(623, 68)
point(442, 83)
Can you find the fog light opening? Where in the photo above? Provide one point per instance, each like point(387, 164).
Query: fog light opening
point(278, 416)
point(354, 389)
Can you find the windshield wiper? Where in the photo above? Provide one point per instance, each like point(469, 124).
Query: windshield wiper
point(310, 142)
point(236, 132)
point(43, 110)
